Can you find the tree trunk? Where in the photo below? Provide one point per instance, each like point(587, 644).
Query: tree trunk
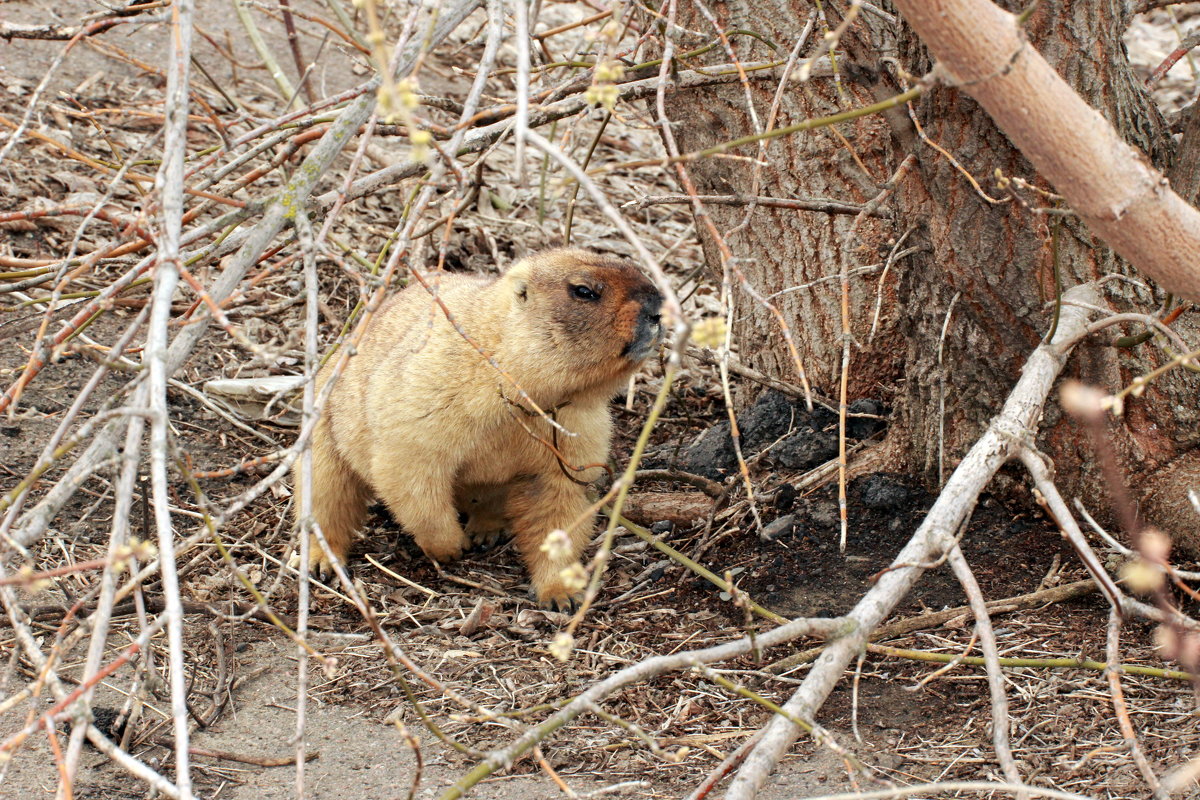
point(988, 265)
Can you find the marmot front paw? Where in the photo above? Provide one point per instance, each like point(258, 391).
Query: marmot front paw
point(319, 564)
point(445, 549)
point(556, 597)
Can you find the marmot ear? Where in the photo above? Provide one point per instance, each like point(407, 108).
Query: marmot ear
point(517, 278)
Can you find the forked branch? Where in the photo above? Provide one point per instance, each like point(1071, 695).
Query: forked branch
point(1005, 437)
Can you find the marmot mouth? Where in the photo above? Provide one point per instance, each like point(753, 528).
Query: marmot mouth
point(646, 338)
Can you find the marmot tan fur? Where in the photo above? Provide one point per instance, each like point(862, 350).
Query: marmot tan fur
point(422, 421)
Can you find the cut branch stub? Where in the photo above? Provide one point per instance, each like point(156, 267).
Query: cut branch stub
point(1110, 184)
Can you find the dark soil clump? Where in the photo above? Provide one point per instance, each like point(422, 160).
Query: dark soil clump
point(781, 431)
point(795, 566)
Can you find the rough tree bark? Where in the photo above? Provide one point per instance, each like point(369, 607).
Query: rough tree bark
point(989, 265)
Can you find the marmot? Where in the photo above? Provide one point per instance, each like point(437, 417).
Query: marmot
point(421, 420)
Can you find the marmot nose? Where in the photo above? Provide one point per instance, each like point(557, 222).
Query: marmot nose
point(652, 320)
point(647, 333)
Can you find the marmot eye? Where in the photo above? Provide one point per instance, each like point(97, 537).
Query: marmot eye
point(585, 293)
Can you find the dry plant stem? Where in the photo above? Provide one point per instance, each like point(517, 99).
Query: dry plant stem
point(642, 671)
point(706, 356)
point(169, 185)
point(118, 537)
point(31, 107)
point(773, 115)
point(976, 787)
point(64, 274)
point(942, 389)
point(36, 520)
point(286, 92)
point(33, 652)
point(751, 111)
point(1001, 724)
point(1121, 710)
point(819, 734)
point(710, 487)
point(817, 204)
point(53, 32)
point(1111, 185)
point(297, 54)
point(718, 774)
point(621, 489)
point(569, 106)
point(67, 699)
point(1176, 574)
point(704, 220)
point(1145, 319)
point(1189, 43)
point(47, 456)
point(695, 567)
point(572, 25)
point(414, 744)
point(311, 362)
point(398, 658)
point(89, 310)
point(281, 128)
point(788, 130)
point(521, 20)
point(998, 443)
point(1035, 663)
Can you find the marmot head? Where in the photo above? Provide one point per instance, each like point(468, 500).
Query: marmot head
point(598, 314)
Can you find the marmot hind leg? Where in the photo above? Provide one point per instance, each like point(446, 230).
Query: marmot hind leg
point(339, 501)
point(536, 506)
point(484, 508)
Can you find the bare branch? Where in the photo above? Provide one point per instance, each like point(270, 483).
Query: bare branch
point(991, 655)
point(169, 184)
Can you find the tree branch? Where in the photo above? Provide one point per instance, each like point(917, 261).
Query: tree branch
point(1110, 184)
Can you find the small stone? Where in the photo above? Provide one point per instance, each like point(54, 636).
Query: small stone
point(712, 454)
point(805, 449)
point(784, 526)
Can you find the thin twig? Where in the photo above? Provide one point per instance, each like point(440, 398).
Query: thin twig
point(1121, 710)
point(1001, 722)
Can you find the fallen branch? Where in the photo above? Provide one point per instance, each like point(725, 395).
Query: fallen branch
point(642, 671)
point(1030, 663)
point(250, 246)
point(1002, 440)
